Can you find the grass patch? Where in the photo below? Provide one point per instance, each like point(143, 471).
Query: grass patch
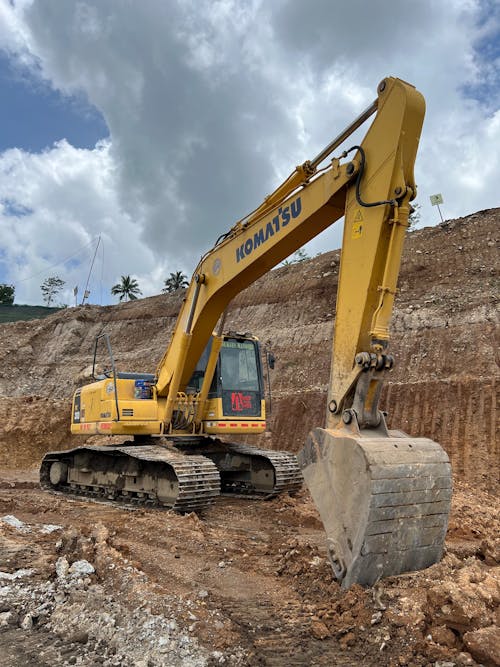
point(17, 313)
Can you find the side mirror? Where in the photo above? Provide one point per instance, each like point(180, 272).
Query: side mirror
point(271, 360)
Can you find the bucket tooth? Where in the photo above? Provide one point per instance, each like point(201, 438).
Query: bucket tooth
point(384, 501)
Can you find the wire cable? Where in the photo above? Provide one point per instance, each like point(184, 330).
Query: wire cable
point(35, 275)
point(362, 163)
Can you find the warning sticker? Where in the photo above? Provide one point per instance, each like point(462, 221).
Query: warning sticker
point(357, 230)
point(359, 216)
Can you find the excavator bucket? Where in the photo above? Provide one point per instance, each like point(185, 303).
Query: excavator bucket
point(384, 501)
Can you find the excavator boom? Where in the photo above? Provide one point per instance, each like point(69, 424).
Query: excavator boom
point(377, 183)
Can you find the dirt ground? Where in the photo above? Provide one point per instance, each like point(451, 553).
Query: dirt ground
point(245, 583)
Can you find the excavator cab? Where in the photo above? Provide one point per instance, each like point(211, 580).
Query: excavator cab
point(236, 400)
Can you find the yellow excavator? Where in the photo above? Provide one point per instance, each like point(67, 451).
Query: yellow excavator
point(383, 497)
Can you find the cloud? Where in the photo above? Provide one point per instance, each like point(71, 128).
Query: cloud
point(54, 206)
point(210, 104)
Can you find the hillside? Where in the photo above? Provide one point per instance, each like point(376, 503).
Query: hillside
point(445, 341)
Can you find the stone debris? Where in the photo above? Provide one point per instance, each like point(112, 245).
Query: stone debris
point(81, 568)
point(484, 644)
point(22, 527)
point(18, 574)
point(16, 523)
point(62, 567)
point(49, 528)
point(88, 622)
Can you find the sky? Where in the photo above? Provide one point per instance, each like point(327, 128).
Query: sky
point(133, 134)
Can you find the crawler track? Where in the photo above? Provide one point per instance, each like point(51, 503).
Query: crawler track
point(149, 475)
point(287, 474)
point(154, 475)
point(253, 472)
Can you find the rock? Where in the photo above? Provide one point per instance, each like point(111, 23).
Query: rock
point(27, 622)
point(8, 618)
point(349, 639)
point(443, 635)
point(319, 630)
point(16, 523)
point(48, 528)
point(316, 560)
point(465, 603)
point(62, 567)
point(490, 549)
point(484, 645)
point(18, 574)
point(80, 568)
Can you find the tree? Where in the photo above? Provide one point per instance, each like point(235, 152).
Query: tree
point(51, 287)
point(7, 294)
point(175, 282)
point(299, 255)
point(127, 289)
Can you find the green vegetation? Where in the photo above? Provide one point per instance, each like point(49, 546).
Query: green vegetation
point(127, 289)
point(175, 282)
point(51, 288)
point(16, 313)
point(414, 217)
point(7, 294)
point(298, 256)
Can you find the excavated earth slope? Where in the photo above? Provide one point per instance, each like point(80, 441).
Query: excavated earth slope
point(445, 341)
point(248, 583)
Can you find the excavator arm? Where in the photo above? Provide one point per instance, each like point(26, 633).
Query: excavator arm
point(372, 190)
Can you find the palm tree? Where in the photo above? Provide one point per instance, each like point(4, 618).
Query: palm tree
point(127, 289)
point(175, 282)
